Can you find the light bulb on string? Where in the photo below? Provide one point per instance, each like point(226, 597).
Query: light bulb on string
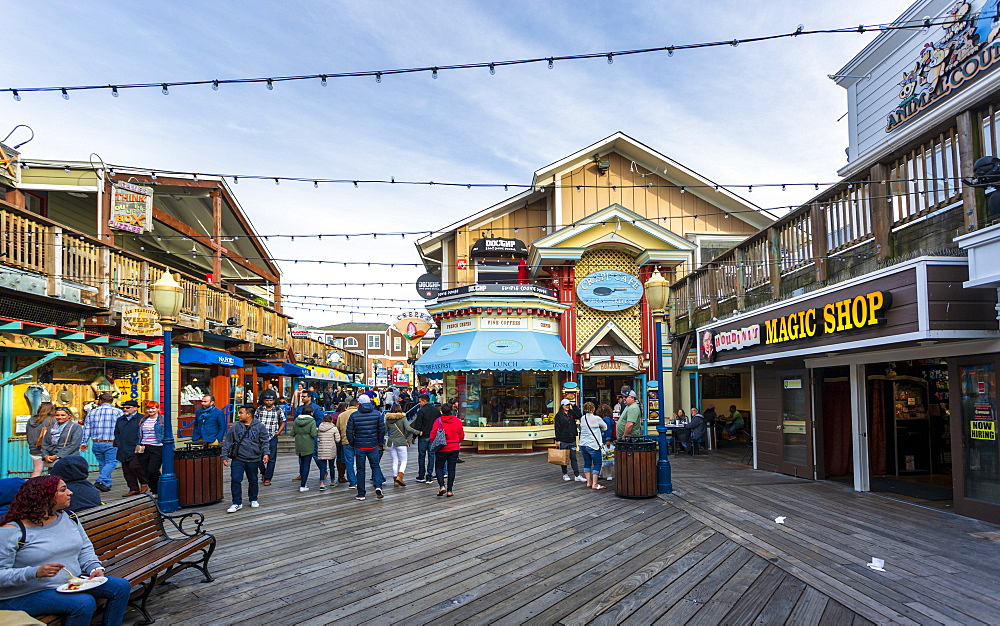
point(322, 79)
point(236, 180)
point(434, 73)
point(114, 92)
point(270, 84)
point(493, 69)
point(670, 51)
point(378, 77)
point(215, 85)
point(65, 94)
point(611, 58)
point(164, 90)
point(552, 63)
point(17, 96)
point(315, 184)
point(277, 182)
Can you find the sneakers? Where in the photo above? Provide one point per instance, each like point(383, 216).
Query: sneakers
point(359, 497)
point(566, 477)
point(421, 480)
point(303, 488)
point(103, 487)
point(322, 487)
point(254, 504)
point(580, 479)
point(234, 508)
point(378, 493)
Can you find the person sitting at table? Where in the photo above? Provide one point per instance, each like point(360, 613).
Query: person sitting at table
point(39, 540)
point(694, 432)
point(729, 426)
point(680, 416)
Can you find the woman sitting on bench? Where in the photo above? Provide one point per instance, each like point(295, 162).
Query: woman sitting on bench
point(39, 539)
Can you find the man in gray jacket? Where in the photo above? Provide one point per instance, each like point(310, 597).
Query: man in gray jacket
point(244, 448)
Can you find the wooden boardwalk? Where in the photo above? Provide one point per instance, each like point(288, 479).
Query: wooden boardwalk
point(519, 545)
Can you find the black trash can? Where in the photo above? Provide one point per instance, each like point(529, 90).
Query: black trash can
point(199, 475)
point(635, 467)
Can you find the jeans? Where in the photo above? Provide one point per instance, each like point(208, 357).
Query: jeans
point(352, 476)
point(304, 463)
point(150, 460)
point(592, 460)
point(373, 457)
point(36, 394)
point(326, 467)
point(424, 448)
point(107, 458)
point(267, 471)
point(77, 608)
point(445, 462)
point(572, 456)
point(238, 470)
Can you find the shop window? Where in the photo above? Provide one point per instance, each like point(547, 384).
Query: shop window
point(350, 342)
point(195, 384)
point(710, 247)
point(979, 432)
point(374, 342)
point(512, 399)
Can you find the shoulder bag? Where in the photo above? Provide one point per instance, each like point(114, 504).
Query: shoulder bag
point(235, 450)
point(600, 445)
point(440, 440)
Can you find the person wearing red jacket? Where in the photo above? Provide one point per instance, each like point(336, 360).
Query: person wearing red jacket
point(448, 455)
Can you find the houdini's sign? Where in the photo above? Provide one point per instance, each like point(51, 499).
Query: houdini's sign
point(842, 315)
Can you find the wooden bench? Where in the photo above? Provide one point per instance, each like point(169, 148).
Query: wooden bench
point(130, 539)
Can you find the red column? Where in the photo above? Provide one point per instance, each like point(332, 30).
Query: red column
point(648, 327)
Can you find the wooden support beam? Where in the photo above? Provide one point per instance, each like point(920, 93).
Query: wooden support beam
point(968, 149)
point(881, 210)
point(217, 236)
point(775, 241)
point(713, 289)
point(820, 249)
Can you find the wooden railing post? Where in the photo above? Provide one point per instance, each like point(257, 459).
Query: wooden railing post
point(202, 305)
point(104, 277)
point(741, 281)
point(820, 249)
point(881, 210)
point(713, 289)
point(775, 240)
point(54, 261)
point(144, 272)
point(968, 148)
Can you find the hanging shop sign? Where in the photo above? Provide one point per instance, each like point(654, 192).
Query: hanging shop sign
point(428, 286)
point(131, 207)
point(847, 314)
point(334, 357)
point(498, 247)
point(142, 321)
point(413, 325)
point(299, 334)
point(966, 50)
point(609, 290)
point(46, 344)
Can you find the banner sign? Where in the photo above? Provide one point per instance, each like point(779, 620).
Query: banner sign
point(497, 247)
point(413, 325)
point(492, 290)
point(131, 207)
point(74, 348)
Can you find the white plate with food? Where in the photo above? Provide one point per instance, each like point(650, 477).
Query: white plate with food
point(76, 585)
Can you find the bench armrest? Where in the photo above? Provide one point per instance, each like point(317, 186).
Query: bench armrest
point(178, 522)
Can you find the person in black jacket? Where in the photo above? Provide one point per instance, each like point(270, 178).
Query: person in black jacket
point(567, 430)
point(423, 422)
point(126, 439)
point(366, 430)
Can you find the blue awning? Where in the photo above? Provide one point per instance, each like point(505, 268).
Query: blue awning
point(263, 367)
point(294, 370)
point(206, 356)
point(495, 350)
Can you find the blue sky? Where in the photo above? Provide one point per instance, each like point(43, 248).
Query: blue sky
point(755, 113)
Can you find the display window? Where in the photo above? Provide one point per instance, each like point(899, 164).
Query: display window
point(979, 427)
point(499, 399)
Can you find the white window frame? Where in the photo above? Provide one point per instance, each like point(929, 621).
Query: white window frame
point(397, 344)
point(734, 240)
point(350, 342)
point(374, 342)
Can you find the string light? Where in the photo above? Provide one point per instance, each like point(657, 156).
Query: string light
point(17, 96)
point(549, 60)
point(164, 89)
point(215, 85)
point(114, 92)
point(270, 84)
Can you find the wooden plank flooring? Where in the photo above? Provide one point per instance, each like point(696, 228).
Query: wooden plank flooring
point(517, 545)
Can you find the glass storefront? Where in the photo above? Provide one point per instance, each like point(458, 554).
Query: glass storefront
point(501, 398)
point(981, 453)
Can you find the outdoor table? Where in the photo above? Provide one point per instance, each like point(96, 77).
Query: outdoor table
point(671, 428)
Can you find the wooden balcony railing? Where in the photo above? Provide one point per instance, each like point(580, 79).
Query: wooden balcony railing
point(111, 275)
point(906, 206)
point(306, 347)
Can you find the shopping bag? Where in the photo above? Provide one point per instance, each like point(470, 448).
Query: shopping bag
point(608, 455)
point(559, 457)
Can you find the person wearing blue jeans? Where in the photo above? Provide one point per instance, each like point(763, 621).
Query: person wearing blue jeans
point(424, 450)
point(372, 456)
point(352, 476)
point(426, 414)
point(99, 428)
point(244, 448)
point(77, 608)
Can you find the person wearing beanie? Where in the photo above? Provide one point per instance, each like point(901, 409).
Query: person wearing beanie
point(74, 471)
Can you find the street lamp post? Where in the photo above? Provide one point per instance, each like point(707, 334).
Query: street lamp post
point(167, 296)
point(657, 294)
